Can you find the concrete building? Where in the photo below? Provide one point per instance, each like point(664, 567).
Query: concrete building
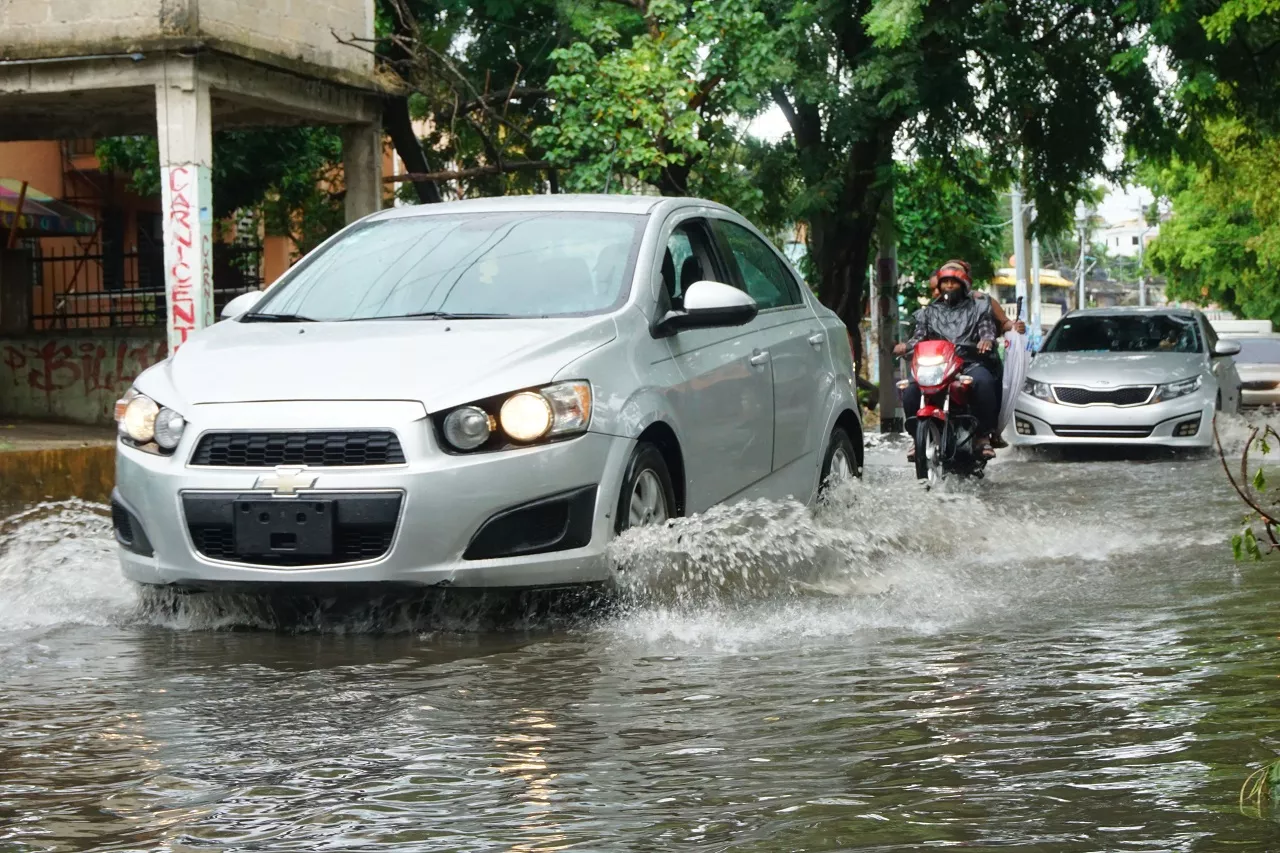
point(1125, 238)
point(75, 70)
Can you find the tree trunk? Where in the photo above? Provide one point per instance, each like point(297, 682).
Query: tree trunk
point(399, 125)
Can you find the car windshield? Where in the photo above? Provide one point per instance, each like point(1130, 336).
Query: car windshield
point(1258, 350)
point(509, 264)
point(1125, 333)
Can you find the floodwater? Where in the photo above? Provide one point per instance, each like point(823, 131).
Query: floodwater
point(1061, 658)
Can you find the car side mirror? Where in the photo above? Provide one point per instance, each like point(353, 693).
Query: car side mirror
point(709, 304)
point(241, 304)
point(1225, 347)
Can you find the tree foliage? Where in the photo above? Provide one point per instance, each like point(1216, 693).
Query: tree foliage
point(293, 174)
point(1222, 243)
point(944, 211)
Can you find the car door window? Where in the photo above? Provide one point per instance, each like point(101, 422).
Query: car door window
point(688, 258)
point(764, 277)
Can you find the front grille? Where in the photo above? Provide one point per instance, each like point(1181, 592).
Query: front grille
point(1130, 395)
point(316, 449)
point(123, 523)
point(1102, 431)
point(364, 528)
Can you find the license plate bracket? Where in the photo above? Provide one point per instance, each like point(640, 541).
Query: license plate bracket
point(284, 527)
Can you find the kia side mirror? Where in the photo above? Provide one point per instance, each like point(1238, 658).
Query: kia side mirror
point(1225, 347)
point(709, 304)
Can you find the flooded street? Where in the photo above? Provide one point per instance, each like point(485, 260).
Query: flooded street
point(1061, 658)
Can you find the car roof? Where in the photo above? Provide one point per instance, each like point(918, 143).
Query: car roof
point(1122, 311)
point(558, 202)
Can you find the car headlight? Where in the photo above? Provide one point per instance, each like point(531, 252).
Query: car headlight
point(1174, 390)
point(1039, 390)
point(146, 425)
point(525, 417)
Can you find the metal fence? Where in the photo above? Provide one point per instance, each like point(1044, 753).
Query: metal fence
point(79, 290)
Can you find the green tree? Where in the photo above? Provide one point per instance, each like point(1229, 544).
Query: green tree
point(944, 211)
point(293, 174)
point(1222, 243)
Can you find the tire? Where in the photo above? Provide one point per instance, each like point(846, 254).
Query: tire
point(839, 447)
point(928, 438)
point(646, 478)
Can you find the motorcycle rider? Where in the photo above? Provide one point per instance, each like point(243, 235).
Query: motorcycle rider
point(1003, 325)
point(971, 326)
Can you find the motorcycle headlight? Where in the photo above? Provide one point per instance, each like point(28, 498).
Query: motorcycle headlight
point(930, 374)
point(146, 425)
point(1039, 390)
point(525, 417)
point(1174, 390)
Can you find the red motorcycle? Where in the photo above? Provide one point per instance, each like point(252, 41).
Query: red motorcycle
point(946, 430)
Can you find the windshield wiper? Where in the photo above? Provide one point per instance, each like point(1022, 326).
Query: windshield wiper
point(276, 318)
point(440, 315)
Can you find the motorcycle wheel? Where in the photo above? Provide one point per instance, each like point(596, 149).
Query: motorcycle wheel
point(929, 451)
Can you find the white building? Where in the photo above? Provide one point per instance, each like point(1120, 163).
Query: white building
point(1123, 238)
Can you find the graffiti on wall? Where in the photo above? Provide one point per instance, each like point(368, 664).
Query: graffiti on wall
point(188, 252)
point(180, 239)
point(72, 376)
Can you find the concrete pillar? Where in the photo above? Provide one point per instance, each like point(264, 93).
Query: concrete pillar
point(362, 169)
point(185, 133)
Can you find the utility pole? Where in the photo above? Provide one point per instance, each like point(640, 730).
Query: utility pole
point(1019, 246)
point(1082, 225)
point(886, 316)
point(1035, 287)
point(1142, 273)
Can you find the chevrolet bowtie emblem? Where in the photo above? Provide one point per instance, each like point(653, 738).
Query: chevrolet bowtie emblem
point(286, 481)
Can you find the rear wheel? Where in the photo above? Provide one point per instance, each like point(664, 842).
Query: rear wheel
point(929, 451)
point(647, 496)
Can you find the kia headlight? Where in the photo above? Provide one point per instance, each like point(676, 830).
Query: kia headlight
point(145, 424)
point(1174, 390)
point(1039, 390)
point(522, 418)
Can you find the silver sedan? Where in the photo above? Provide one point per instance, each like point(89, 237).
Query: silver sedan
point(484, 393)
point(1127, 376)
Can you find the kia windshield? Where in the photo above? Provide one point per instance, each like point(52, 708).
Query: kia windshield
point(461, 266)
point(1125, 333)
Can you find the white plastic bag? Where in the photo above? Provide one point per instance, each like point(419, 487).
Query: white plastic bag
point(1017, 357)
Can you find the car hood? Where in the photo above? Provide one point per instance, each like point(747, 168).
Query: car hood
point(440, 363)
point(1114, 368)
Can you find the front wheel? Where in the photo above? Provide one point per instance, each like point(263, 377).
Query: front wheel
point(929, 451)
point(647, 496)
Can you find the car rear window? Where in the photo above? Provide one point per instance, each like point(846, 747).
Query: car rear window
point(508, 264)
point(1125, 333)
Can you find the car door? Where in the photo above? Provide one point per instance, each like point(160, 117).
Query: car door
point(791, 336)
point(724, 401)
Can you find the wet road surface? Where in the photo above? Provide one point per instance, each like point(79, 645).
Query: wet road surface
point(1061, 658)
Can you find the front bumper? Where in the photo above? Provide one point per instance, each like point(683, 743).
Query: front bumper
point(443, 501)
point(1037, 422)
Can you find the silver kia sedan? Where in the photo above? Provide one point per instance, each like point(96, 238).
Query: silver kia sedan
point(484, 394)
point(1131, 376)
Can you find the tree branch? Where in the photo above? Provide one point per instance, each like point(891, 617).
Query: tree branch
point(474, 172)
point(486, 102)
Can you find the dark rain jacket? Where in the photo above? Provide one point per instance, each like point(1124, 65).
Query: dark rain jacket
point(965, 324)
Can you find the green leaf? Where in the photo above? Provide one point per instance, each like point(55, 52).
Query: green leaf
point(1237, 546)
point(1260, 481)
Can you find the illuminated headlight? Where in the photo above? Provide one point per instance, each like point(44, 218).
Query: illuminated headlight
point(1039, 390)
point(1174, 390)
point(524, 417)
point(468, 428)
point(143, 422)
point(930, 374)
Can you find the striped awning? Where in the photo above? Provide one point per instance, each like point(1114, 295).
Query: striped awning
point(41, 215)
